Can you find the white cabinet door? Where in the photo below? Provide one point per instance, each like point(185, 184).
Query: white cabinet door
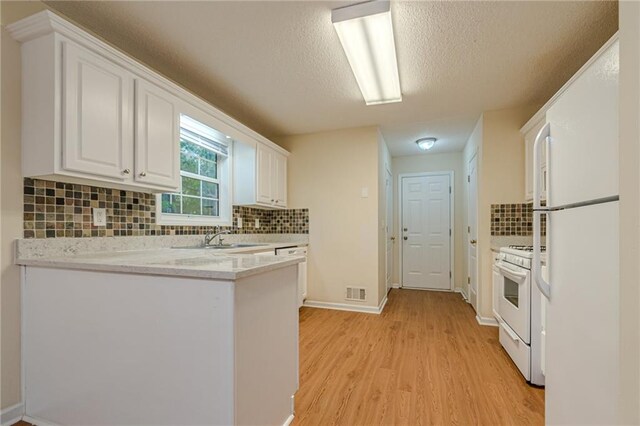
point(264, 165)
point(157, 137)
point(97, 115)
point(279, 177)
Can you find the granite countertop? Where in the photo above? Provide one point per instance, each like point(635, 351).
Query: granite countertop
point(194, 263)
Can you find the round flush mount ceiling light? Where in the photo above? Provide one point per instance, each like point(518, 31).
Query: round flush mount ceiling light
point(426, 143)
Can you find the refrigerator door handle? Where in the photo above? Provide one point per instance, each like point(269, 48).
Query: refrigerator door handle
point(542, 137)
point(543, 285)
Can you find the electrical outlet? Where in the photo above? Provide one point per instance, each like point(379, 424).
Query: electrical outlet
point(257, 223)
point(239, 223)
point(99, 217)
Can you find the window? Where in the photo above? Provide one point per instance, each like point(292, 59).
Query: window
point(204, 173)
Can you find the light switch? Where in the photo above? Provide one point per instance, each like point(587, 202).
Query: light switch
point(239, 222)
point(364, 192)
point(99, 217)
point(257, 223)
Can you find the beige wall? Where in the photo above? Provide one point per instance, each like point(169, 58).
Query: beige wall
point(431, 163)
point(326, 174)
point(500, 153)
point(384, 164)
point(501, 180)
point(11, 202)
point(630, 211)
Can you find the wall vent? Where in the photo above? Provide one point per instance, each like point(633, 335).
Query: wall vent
point(355, 293)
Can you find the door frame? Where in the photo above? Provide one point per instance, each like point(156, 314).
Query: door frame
point(467, 249)
point(389, 234)
point(449, 173)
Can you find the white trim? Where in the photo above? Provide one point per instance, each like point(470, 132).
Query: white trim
point(540, 115)
point(451, 175)
point(11, 415)
point(492, 322)
point(464, 295)
point(346, 307)
point(444, 290)
point(395, 285)
point(289, 420)
point(38, 422)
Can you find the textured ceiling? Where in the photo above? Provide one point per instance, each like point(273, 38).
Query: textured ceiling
point(279, 67)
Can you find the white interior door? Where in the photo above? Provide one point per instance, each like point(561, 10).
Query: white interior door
point(388, 228)
point(472, 232)
point(426, 227)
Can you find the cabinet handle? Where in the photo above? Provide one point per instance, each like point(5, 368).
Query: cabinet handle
point(126, 171)
point(405, 238)
point(143, 174)
point(272, 201)
point(473, 242)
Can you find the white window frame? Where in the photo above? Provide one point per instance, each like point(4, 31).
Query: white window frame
point(224, 181)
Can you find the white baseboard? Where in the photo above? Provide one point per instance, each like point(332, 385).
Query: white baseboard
point(11, 415)
point(487, 321)
point(464, 295)
point(288, 421)
point(38, 422)
point(395, 285)
point(346, 307)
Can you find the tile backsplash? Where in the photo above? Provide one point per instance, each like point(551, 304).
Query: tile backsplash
point(514, 220)
point(56, 209)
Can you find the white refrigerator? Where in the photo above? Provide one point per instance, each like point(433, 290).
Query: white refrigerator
point(582, 297)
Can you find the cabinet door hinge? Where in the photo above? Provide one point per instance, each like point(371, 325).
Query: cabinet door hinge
point(468, 280)
point(449, 231)
point(449, 190)
point(469, 178)
point(468, 229)
point(449, 274)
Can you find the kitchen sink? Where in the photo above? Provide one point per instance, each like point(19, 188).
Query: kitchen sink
point(222, 246)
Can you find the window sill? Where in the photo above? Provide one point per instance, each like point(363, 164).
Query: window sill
point(192, 221)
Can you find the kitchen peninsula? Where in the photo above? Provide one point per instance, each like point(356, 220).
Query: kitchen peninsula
point(160, 336)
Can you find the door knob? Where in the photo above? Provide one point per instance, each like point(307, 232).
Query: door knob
point(143, 174)
point(473, 241)
point(126, 171)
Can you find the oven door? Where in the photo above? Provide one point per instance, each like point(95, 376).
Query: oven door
point(514, 305)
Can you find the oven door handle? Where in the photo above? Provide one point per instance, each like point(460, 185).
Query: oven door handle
point(519, 277)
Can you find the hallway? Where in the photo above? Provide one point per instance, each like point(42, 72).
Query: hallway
point(424, 360)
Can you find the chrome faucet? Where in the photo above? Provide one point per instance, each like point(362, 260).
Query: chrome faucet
point(209, 237)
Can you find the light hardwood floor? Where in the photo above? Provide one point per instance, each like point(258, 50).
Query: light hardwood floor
point(424, 360)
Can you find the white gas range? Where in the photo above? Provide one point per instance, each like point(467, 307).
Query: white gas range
point(518, 309)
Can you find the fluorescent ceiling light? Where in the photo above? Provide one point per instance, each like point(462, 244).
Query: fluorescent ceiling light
point(366, 33)
point(426, 143)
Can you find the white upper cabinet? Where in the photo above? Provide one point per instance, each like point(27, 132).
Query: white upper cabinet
point(260, 175)
point(280, 179)
point(93, 115)
point(157, 148)
point(264, 171)
point(97, 125)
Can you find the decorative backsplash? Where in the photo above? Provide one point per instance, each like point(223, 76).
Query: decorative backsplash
point(514, 220)
point(56, 209)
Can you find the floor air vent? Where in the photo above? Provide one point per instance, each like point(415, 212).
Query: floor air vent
point(355, 293)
